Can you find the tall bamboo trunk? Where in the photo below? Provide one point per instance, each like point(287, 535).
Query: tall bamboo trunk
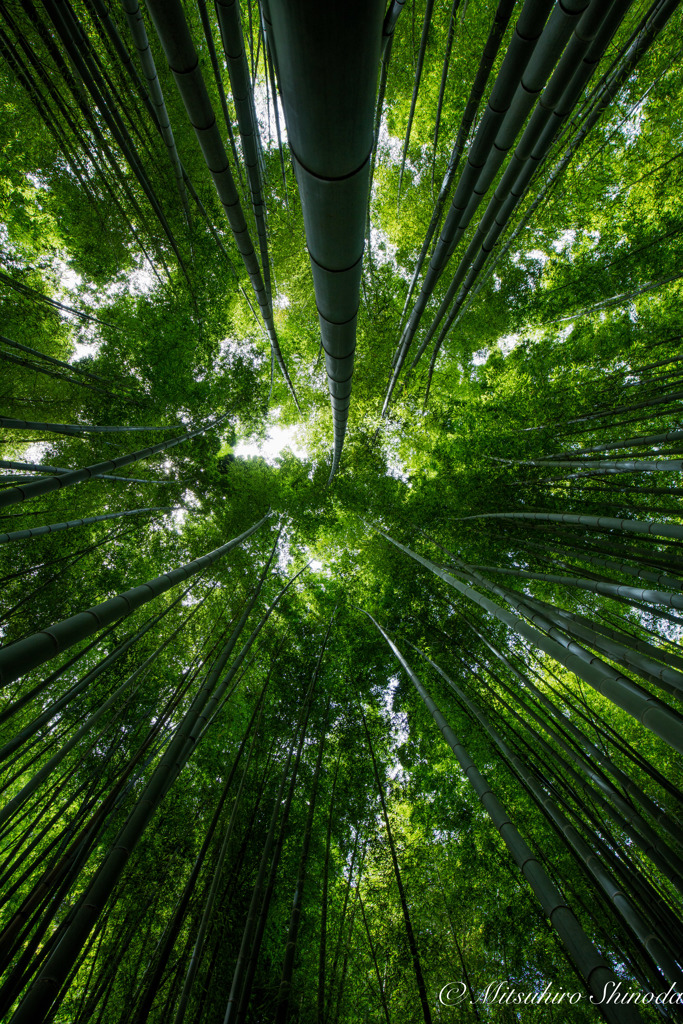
point(326, 58)
point(412, 943)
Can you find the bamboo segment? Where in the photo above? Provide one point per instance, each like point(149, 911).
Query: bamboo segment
point(326, 57)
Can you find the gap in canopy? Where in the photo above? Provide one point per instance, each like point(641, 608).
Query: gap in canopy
point(270, 445)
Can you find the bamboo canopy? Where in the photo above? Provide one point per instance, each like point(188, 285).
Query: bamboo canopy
point(404, 748)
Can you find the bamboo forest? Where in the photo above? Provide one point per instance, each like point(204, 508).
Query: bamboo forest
point(341, 541)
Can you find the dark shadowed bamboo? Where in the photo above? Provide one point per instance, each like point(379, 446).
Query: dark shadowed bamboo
point(48, 987)
point(39, 531)
point(373, 956)
point(648, 710)
point(230, 23)
point(342, 921)
point(429, 8)
point(136, 23)
point(322, 955)
point(252, 914)
point(20, 657)
point(490, 52)
point(259, 930)
point(284, 991)
point(414, 954)
point(13, 495)
point(174, 34)
point(207, 912)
